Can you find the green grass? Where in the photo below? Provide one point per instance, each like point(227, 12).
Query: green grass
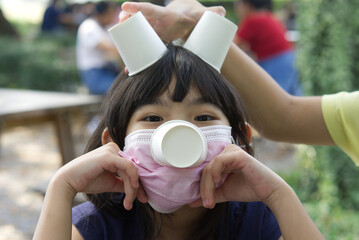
point(36, 61)
point(334, 221)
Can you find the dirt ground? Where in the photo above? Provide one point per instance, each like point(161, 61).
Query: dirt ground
point(29, 157)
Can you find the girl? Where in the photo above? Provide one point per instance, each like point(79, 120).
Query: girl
point(180, 86)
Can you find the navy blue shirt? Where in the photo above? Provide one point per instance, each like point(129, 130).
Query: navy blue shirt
point(51, 19)
point(255, 221)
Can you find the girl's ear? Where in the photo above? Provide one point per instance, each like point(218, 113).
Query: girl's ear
point(106, 138)
point(249, 132)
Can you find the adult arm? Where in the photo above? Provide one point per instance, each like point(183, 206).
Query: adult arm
point(274, 113)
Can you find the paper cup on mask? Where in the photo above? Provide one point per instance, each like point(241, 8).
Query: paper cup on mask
point(211, 39)
point(178, 144)
point(137, 43)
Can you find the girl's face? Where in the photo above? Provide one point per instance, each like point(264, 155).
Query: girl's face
point(192, 109)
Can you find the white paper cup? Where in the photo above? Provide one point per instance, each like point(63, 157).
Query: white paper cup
point(178, 144)
point(137, 42)
point(211, 39)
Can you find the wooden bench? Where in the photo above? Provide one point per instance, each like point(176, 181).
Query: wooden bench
point(24, 107)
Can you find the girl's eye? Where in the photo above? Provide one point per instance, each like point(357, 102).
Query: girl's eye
point(204, 118)
point(153, 118)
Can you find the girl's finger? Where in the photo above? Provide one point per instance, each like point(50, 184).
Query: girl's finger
point(115, 163)
point(130, 192)
point(232, 159)
point(218, 197)
point(207, 186)
point(196, 203)
point(141, 195)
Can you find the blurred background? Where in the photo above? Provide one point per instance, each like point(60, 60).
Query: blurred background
point(325, 35)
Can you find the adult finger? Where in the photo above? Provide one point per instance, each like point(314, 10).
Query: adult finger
point(218, 9)
point(148, 9)
point(124, 16)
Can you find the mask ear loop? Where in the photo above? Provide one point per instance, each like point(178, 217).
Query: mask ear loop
point(244, 146)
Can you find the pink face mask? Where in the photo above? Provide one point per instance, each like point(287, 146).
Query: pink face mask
point(168, 188)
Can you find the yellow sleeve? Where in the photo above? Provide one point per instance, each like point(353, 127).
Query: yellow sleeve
point(341, 115)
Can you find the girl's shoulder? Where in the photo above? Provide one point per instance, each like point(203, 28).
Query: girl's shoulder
point(93, 223)
point(252, 220)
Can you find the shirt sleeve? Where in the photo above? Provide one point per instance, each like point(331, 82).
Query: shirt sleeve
point(341, 116)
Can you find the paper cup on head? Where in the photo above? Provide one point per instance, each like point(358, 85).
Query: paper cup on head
point(137, 43)
point(211, 39)
point(178, 144)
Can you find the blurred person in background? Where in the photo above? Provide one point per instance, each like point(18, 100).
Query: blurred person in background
point(78, 13)
point(98, 61)
point(262, 36)
point(81, 12)
point(6, 29)
point(54, 18)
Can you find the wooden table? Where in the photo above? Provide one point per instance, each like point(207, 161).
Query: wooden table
point(24, 107)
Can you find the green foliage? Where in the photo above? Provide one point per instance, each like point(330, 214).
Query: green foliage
point(328, 55)
point(325, 180)
point(329, 41)
point(328, 62)
point(43, 62)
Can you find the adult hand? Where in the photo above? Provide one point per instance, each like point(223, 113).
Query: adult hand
point(95, 172)
point(247, 179)
point(174, 21)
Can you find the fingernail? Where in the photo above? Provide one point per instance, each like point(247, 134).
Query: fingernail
point(135, 184)
point(123, 16)
point(129, 205)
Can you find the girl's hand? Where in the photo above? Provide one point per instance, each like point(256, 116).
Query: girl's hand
point(95, 172)
point(247, 179)
point(174, 21)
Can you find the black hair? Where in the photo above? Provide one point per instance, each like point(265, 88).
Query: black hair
point(259, 4)
point(102, 7)
point(129, 93)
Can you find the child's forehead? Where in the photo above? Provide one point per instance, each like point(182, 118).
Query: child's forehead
point(192, 95)
point(192, 99)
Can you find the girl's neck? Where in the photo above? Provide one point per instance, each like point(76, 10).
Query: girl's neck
point(180, 224)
